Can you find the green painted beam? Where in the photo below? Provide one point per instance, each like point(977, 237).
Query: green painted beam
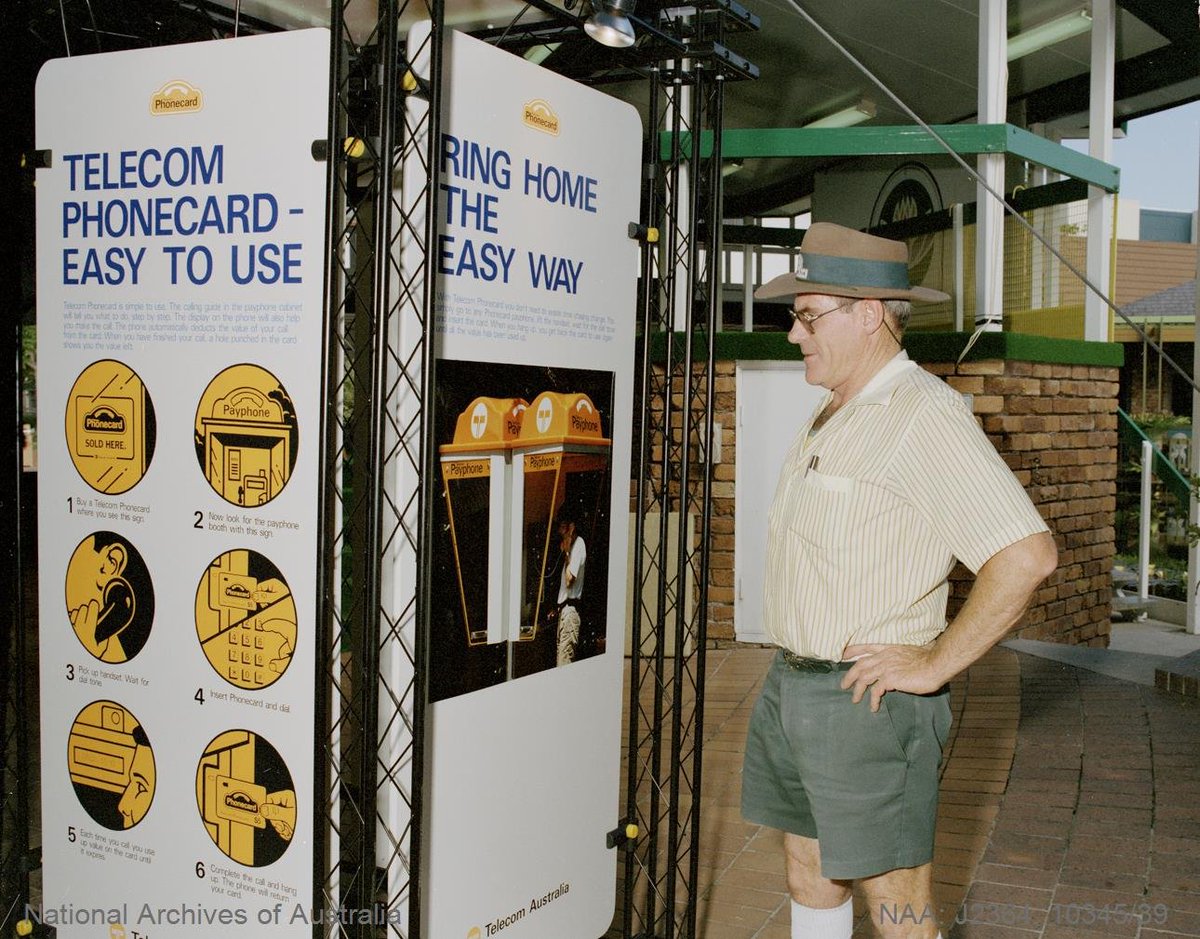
point(966, 139)
point(1062, 159)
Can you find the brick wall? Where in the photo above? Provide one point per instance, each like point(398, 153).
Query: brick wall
point(720, 594)
point(1056, 428)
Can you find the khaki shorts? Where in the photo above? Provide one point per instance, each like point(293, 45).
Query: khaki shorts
point(864, 784)
point(568, 634)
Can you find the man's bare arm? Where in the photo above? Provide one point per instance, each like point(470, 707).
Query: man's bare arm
point(1001, 592)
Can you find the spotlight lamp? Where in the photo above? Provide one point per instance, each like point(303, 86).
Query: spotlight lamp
point(609, 23)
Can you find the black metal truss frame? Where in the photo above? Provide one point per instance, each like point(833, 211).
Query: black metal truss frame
point(679, 306)
point(381, 863)
point(18, 665)
point(370, 760)
point(17, 855)
point(664, 34)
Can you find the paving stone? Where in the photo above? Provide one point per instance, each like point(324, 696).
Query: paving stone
point(1064, 795)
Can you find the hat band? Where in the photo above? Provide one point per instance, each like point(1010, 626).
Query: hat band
point(852, 272)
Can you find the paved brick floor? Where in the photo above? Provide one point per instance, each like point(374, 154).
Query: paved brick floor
point(1070, 808)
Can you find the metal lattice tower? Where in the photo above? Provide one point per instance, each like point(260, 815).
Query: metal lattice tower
point(380, 366)
point(680, 303)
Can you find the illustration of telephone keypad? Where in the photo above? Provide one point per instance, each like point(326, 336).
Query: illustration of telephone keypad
point(110, 427)
point(246, 619)
point(245, 797)
point(246, 435)
point(111, 765)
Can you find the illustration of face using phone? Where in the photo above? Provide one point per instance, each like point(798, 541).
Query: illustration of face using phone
point(111, 764)
point(109, 597)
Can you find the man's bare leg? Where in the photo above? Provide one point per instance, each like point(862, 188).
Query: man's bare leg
point(820, 907)
point(901, 903)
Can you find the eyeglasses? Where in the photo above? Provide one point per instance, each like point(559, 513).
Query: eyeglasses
point(808, 318)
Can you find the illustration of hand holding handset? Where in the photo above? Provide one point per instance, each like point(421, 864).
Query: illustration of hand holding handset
point(109, 597)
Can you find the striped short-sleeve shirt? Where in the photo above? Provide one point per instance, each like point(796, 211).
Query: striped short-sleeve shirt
point(873, 508)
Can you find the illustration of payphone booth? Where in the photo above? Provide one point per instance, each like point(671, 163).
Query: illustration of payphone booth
point(247, 447)
point(562, 457)
point(477, 484)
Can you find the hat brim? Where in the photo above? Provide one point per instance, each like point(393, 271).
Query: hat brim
point(789, 285)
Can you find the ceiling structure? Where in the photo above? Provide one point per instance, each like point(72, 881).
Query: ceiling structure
point(924, 51)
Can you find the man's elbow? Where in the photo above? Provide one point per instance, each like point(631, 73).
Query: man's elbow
point(1043, 556)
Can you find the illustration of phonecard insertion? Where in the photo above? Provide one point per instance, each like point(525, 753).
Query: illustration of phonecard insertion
point(246, 798)
point(246, 619)
point(110, 599)
point(110, 427)
point(111, 765)
point(246, 435)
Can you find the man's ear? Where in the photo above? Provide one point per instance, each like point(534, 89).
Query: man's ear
point(872, 314)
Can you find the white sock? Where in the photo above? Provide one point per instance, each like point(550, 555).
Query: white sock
point(837, 923)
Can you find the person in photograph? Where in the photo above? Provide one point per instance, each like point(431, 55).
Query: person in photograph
point(570, 585)
point(888, 482)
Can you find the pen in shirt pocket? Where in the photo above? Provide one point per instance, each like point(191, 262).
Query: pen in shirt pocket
point(813, 461)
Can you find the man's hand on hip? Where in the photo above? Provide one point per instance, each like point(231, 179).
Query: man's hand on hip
point(883, 668)
point(1002, 590)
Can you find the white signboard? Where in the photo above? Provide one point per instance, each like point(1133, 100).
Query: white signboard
point(180, 269)
point(535, 319)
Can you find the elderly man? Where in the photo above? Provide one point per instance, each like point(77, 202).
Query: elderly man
point(885, 486)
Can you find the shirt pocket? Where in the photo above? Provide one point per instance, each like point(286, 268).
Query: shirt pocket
point(823, 507)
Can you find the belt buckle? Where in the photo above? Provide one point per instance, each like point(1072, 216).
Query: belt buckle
point(804, 664)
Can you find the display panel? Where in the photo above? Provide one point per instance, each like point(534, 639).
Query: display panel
point(535, 314)
point(180, 239)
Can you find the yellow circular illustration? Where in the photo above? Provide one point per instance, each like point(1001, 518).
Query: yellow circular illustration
point(111, 765)
point(246, 619)
point(246, 435)
point(110, 599)
point(246, 799)
point(110, 427)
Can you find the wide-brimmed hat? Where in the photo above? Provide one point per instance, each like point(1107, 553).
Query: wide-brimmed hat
point(842, 262)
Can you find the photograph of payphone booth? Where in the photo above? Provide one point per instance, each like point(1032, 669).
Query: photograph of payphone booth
point(477, 486)
point(561, 459)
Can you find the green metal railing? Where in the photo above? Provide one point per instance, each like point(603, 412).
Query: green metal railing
point(1175, 482)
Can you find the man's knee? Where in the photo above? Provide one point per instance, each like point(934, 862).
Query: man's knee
point(805, 883)
point(900, 903)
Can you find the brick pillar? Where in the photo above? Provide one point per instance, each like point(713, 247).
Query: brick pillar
point(1056, 428)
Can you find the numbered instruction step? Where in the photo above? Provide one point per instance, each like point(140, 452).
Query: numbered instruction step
point(239, 523)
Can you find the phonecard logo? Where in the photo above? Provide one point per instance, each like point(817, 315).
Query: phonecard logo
point(540, 116)
point(176, 97)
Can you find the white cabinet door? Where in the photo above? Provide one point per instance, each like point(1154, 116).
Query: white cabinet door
point(773, 401)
